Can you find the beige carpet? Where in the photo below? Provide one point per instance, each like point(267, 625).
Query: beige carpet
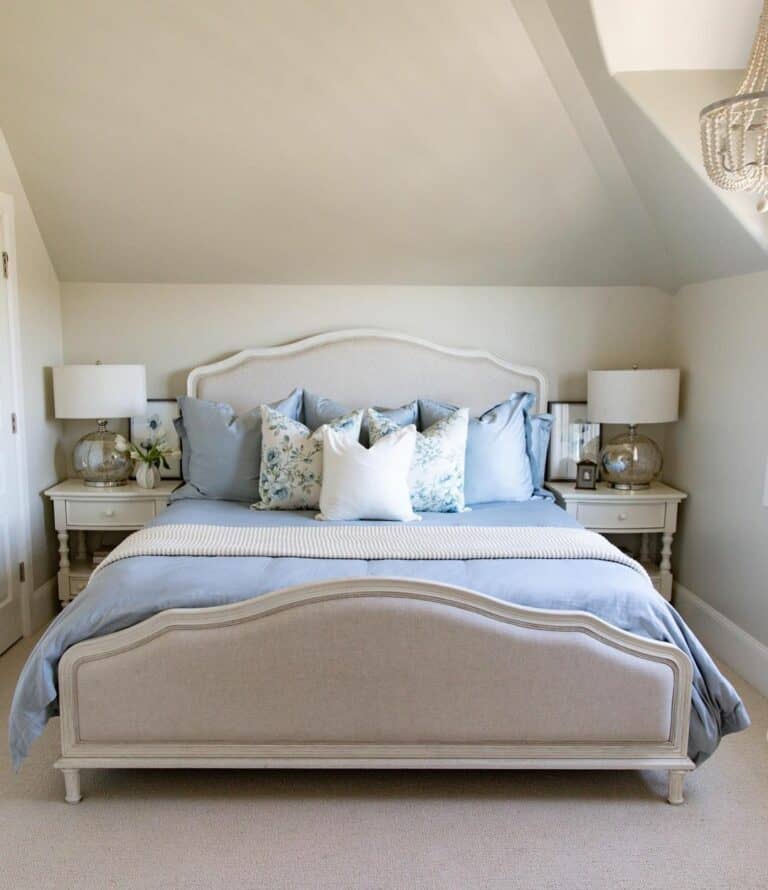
point(206, 829)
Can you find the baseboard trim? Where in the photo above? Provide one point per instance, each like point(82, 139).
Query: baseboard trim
point(43, 604)
point(725, 639)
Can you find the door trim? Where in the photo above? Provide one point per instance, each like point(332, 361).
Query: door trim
point(7, 226)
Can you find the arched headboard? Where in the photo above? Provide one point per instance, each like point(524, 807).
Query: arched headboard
point(365, 367)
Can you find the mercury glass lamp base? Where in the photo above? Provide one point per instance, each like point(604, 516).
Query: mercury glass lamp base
point(631, 461)
point(97, 461)
point(630, 487)
point(105, 484)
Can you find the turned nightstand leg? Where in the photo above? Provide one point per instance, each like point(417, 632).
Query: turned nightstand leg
point(666, 552)
point(63, 550)
point(645, 551)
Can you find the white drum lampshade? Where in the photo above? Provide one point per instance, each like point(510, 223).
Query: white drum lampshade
point(631, 460)
point(82, 392)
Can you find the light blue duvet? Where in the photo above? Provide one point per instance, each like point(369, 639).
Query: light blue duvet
point(131, 590)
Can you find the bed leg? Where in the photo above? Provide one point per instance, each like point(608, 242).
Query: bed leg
point(675, 794)
point(72, 785)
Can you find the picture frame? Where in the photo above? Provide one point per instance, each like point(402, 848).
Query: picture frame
point(155, 424)
point(573, 439)
point(586, 475)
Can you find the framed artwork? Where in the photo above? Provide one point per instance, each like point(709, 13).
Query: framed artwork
point(586, 474)
point(573, 439)
point(157, 424)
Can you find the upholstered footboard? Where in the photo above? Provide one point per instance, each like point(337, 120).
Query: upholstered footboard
point(374, 673)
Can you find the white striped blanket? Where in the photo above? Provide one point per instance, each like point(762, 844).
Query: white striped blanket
point(371, 543)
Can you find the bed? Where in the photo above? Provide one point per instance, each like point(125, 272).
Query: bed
point(534, 659)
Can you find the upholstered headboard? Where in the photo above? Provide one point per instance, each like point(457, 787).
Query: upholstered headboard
point(365, 367)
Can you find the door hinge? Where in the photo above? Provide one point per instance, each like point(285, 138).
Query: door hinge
point(14, 423)
point(5, 264)
point(22, 572)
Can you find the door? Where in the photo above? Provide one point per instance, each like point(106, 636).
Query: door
point(10, 515)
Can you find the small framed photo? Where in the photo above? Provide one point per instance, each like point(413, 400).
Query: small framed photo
point(155, 425)
point(573, 439)
point(586, 474)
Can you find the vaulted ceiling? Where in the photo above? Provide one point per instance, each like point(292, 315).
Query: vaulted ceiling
point(355, 141)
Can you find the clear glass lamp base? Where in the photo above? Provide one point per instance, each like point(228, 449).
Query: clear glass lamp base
point(630, 461)
point(97, 461)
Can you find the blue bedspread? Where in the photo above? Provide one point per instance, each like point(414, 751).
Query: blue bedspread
point(131, 590)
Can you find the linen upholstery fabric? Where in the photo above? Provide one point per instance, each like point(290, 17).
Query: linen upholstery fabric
point(436, 478)
point(223, 451)
point(292, 459)
point(367, 483)
point(321, 409)
point(498, 467)
point(408, 682)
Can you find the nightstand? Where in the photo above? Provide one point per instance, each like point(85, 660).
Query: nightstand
point(78, 507)
point(645, 513)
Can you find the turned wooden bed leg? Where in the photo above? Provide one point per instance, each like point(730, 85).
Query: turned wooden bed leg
point(72, 785)
point(675, 794)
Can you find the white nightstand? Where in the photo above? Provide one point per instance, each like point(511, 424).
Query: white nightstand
point(78, 507)
point(650, 511)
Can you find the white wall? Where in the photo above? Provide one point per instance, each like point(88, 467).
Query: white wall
point(717, 451)
point(40, 308)
point(172, 328)
point(682, 34)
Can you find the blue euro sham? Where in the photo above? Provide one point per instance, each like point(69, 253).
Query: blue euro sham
point(497, 465)
point(132, 590)
point(222, 451)
point(321, 409)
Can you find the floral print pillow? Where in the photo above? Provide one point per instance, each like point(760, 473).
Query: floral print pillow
point(292, 459)
point(436, 478)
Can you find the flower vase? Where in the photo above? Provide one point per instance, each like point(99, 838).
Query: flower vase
point(147, 475)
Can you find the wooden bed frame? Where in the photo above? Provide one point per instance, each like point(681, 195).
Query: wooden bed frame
point(379, 673)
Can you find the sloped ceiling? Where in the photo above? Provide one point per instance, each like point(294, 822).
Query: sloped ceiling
point(346, 141)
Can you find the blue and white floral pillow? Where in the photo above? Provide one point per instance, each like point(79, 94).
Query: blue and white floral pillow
point(436, 478)
point(292, 459)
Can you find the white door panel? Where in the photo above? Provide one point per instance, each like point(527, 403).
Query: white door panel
point(10, 532)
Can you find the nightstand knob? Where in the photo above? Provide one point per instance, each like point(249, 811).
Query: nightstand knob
point(109, 513)
point(623, 516)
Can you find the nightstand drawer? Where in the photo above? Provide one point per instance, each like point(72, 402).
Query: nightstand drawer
point(77, 583)
point(621, 516)
point(105, 513)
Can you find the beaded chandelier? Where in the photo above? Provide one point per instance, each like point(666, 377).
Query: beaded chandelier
point(734, 131)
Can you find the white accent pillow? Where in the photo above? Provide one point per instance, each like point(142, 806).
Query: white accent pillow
point(436, 478)
point(292, 459)
point(367, 483)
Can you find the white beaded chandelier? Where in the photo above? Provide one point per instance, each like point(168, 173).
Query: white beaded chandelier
point(734, 131)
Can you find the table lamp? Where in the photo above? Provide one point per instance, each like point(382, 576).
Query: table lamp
point(87, 392)
point(632, 461)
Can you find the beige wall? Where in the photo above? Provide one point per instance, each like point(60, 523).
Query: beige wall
point(172, 328)
point(717, 452)
point(40, 316)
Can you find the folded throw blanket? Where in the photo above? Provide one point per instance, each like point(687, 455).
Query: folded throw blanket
point(367, 542)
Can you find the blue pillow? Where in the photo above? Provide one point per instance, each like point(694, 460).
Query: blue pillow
point(538, 428)
point(223, 451)
point(497, 464)
point(320, 409)
point(178, 425)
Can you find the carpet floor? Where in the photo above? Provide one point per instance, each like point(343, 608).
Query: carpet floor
point(314, 829)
